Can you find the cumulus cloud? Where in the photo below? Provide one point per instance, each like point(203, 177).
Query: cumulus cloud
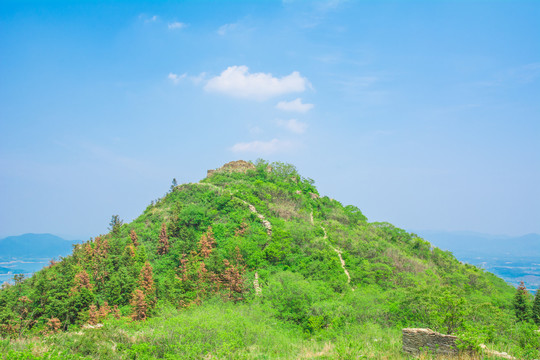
point(226, 28)
point(295, 105)
point(238, 82)
point(293, 125)
point(261, 147)
point(176, 25)
point(175, 78)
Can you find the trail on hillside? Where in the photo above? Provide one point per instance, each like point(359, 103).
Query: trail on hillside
point(325, 237)
point(266, 224)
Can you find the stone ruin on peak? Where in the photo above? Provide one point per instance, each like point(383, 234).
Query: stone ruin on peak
point(233, 166)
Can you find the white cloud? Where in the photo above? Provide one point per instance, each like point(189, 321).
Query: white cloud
point(226, 28)
point(262, 147)
point(152, 19)
point(175, 78)
point(293, 125)
point(238, 82)
point(295, 105)
point(176, 25)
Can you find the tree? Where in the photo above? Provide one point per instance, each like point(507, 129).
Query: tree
point(146, 279)
point(207, 243)
point(18, 278)
point(163, 246)
point(139, 305)
point(115, 224)
point(536, 308)
point(521, 306)
point(92, 315)
point(174, 184)
point(134, 238)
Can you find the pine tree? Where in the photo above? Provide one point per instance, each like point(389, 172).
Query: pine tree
point(536, 308)
point(139, 304)
point(163, 247)
point(92, 315)
point(521, 306)
point(134, 238)
point(174, 184)
point(146, 279)
point(207, 243)
point(115, 224)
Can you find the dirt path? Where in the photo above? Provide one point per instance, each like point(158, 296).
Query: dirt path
point(267, 225)
point(325, 237)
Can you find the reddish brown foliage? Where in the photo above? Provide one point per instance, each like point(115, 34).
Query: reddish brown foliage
point(104, 310)
point(202, 272)
point(93, 315)
point(53, 326)
point(116, 312)
point(100, 248)
point(24, 307)
point(131, 249)
point(95, 253)
point(146, 279)
point(140, 307)
point(232, 278)
point(82, 281)
point(183, 268)
point(241, 230)
point(163, 246)
point(134, 238)
point(207, 243)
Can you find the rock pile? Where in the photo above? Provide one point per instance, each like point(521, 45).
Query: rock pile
point(416, 341)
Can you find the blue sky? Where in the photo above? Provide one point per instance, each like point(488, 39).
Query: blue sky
point(421, 113)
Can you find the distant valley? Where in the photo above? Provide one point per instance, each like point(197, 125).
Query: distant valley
point(514, 259)
point(28, 253)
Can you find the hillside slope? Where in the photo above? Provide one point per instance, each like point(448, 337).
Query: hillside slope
point(261, 234)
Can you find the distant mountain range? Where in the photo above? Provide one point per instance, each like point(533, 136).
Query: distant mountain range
point(28, 253)
point(35, 246)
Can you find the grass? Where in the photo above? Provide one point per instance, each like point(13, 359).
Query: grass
point(215, 330)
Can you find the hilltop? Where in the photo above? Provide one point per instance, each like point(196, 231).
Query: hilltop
point(254, 249)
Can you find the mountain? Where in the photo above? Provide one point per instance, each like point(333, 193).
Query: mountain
point(35, 246)
point(252, 262)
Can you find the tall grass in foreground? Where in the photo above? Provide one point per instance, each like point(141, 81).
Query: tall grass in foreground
point(214, 330)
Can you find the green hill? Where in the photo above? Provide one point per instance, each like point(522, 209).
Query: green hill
point(252, 262)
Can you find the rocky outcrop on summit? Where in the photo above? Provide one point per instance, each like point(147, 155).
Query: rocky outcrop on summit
point(233, 166)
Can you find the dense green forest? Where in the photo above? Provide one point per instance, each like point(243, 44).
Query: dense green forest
point(251, 262)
